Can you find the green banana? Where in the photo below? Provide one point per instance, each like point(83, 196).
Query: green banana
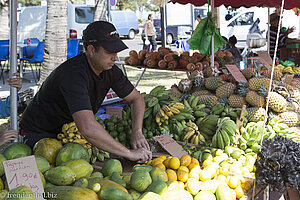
point(155, 91)
point(195, 102)
point(152, 102)
point(186, 104)
point(225, 137)
point(221, 144)
point(214, 141)
point(191, 100)
point(207, 131)
point(156, 108)
point(199, 107)
point(179, 117)
point(200, 114)
point(147, 112)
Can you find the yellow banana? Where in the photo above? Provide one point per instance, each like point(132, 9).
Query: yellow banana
point(174, 110)
point(167, 110)
point(64, 140)
point(193, 125)
point(161, 112)
point(188, 129)
point(193, 139)
point(178, 105)
point(165, 117)
point(81, 141)
point(64, 128)
point(196, 140)
point(201, 138)
point(157, 118)
point(188, 134)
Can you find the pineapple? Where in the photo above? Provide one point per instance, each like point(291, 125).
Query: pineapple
point(242, 88)
point(276, 102)
point(256, 83)
point(236, 101)
point(198, 83)
point(185, 85)
point(196, 74)
point(290, 118)
point(263, 91)
point(256, 114)
point(212, 83)
point(255, 99)
point(175, 91)
point(225, 90)
point(249, 72)
point(201, 92)
point(208, 100)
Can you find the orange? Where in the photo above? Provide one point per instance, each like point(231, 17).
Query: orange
point(161, 166)
point(172, 176)
point(166, 162)
point(224, 171)
point(194, 160)
point(162, 157)
point(233, 182)
point(182, 175)
point(205, 175)
point(221, 177)
point(184, 168)
point(174, 163)
point(239, 192)
point(185, 160)
point(206, 163)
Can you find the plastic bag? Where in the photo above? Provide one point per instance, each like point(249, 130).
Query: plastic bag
point(147, 42)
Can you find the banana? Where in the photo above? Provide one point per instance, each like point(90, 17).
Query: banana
point(60, 136)
point(218, 109)
point(221, 144)
point(167, 110)
point(161, 113)
point(229, 130)
point(201, 137)
point(192, 124)
point(186, 104)
point(174, 110)
point(165, 117)
point(179, 117)
point(214, 141)
point(158, 89)
point(189, 134)
point(225, 137)
point(183, 122)
point(205, 136)
point(191, 100)
point(196, 140)
point(207, 131)
point(157, 118)
point(101, 157)
point(147, 112)
point(188, 129)
point(232, 139)
point(178, 105)
point(193, 139)
point(155, 109)
point(179, 125)
point(195, 102)
point(199, 107)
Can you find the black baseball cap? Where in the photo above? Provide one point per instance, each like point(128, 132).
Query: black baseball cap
point(105, 34)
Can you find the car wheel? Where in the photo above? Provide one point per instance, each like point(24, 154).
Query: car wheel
point(131, 34)
point(169, 39)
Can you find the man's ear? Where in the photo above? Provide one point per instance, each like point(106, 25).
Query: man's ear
point(91, 50)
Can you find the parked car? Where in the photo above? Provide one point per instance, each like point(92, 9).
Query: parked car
point(126, 23)
point(173, 32)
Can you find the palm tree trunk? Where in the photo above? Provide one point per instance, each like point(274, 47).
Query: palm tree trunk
point(4, 30)
point(55, 37)
point(100, 10)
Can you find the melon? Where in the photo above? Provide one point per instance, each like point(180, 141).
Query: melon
point(72, 151)
point(17, 149)
point(47, 148)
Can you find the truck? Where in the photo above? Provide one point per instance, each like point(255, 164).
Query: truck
point(32, 21)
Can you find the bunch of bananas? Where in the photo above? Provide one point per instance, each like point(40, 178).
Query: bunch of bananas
point(288, 70)
point(279, 67)
point(225, 133)
point(296, 69)
point(168, 111)
point(97, 154)
point(208, 126)
point(191, 131)
point(70, 133)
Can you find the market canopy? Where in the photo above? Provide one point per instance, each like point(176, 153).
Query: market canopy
point(288, 4)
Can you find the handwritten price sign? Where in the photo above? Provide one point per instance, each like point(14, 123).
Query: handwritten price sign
point(24, 172)
point(170, 145)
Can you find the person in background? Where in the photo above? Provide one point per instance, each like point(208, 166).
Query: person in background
point(228, 16)
point(198, 19)
point(9, 135)
point(75, 90)
point(234, 50)
point(150, 34)
point(283, 39)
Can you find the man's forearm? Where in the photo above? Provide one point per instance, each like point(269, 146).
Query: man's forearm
point(137, 113)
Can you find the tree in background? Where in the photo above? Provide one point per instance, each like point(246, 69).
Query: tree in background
point(4, 30)
point(141, 5)
point(100, 10)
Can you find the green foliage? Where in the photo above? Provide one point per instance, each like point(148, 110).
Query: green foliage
point(141, 5)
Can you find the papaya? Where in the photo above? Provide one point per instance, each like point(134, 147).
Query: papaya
point(126, 179)
point(207, 195)
point(42, 163)
point(151, 196)
point(20, 193)
point(147, 168)
point(17, 148)
point(157, 187)
point(134, 194)
point(1, 184)
point(223, 192)
point(70, 193)
point(83, 182)
point(158, 174)
point(80, 167)
point(47, 148)
point(114, 194)
point(72, 151)
point(118, 179)
point(3, 194)
point(105, 183)
point(61, 175)
point(140, 180)
point(110, 166)
point(97, 174)
point(42, 178)
point(2, 158)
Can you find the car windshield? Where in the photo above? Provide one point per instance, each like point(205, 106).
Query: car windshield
point(156, 22)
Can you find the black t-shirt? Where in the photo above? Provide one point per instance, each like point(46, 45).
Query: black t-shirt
point(71, 87)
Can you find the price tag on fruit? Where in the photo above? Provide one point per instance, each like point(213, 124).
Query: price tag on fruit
point(24, 172)
point(114, 111)
point(170, 145)
point(236, 73)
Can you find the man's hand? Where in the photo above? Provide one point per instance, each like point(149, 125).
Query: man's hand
point(8, 135)
point(290, 30)
point(15, 82)
point(138, 140)
point(140, 155)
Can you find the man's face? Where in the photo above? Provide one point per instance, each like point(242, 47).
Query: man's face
point(102, 60)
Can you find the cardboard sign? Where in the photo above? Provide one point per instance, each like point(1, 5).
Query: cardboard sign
point(236, 73)
point(170, 145)
point(265, 56)
point(288, 78)
point(24, 172)
point(114, 111)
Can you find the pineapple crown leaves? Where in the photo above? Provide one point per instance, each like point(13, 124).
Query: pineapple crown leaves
point(263, 91)
point(243, 84)
point(198, 82)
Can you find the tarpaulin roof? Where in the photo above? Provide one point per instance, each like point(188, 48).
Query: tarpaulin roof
point(288, 4)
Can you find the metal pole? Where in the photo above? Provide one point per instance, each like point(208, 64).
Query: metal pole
point(163, 17)
point(13, 63)
point(192, 17)
point(108, 11)
point(268, 29)
point(212, 59)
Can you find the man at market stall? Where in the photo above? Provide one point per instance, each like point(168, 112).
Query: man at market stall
point(75, 90)
point(283, 39)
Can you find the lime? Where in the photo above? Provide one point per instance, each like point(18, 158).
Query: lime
point(236, 154)
point(224, 164)
point(206, 156)
point(229, 150)
point(218, 152)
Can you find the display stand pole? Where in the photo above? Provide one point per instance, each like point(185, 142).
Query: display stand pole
point(137, 82)
point(212, 58)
